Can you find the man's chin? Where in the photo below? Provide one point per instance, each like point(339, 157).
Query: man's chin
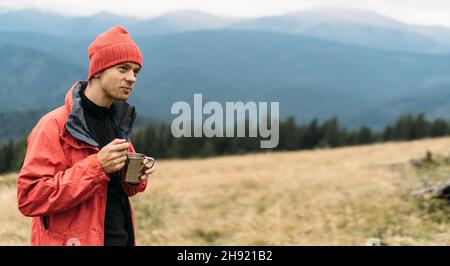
point(122, 97)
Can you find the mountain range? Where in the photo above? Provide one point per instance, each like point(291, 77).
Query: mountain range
point(360, 66)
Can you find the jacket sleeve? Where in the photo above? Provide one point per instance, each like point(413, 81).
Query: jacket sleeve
point(131, 189)
point(45, 185)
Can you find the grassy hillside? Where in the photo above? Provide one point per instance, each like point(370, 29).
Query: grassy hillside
point(324, 197)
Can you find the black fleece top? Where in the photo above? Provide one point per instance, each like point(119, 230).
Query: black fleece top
point(103, 129)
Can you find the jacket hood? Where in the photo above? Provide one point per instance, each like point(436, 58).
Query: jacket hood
point(124, 116)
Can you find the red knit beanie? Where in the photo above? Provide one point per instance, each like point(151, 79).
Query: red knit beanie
point(110, 48)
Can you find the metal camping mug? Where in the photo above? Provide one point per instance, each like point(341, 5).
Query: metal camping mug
point(134, 168)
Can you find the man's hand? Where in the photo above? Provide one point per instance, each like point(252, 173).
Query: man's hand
point(149, 168)
point(112, 157)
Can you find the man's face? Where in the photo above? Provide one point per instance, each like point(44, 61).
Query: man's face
point(118, 81)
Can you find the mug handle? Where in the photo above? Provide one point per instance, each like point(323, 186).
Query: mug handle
point(150, 159)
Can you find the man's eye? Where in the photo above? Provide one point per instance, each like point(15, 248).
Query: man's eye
point(123, 68)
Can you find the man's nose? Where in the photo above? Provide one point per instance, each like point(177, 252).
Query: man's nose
point(130, 77)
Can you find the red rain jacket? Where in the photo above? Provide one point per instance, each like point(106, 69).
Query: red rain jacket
point(62, 184)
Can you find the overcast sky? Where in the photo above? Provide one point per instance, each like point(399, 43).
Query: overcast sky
point(425, 12)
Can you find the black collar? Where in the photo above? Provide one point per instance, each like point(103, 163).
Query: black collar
point(94, 110)
point(122, 113)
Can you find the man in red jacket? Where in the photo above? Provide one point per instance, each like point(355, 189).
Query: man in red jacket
point(70, 182)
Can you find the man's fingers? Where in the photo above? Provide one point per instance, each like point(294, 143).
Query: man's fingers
point(118, 144)
point(147, 173)
point(120, 147)
point(119, 166)
point(148, 163)
point(118, 154)
point(150, 171)
point(117, 141)
point(121, 159)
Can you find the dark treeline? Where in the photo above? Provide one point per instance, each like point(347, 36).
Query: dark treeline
point(156, 140)
point(12, 154)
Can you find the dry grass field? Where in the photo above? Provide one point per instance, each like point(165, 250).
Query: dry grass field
point(323, 197)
